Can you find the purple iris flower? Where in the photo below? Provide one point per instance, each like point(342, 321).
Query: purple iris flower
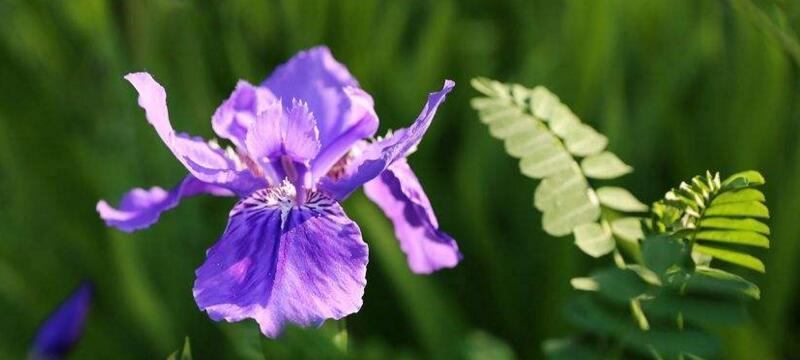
point(289, 254)
point(62, 330)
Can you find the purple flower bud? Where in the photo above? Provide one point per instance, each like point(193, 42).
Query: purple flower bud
point(63, 328)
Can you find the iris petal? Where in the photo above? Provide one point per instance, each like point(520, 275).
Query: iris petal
point(362, 109)
point(343, 111)
point(279, 263)
point(379, 155)
point(207, 163)
point(232, 119)
point(140, 208)
point(277, 131)
point(399, 194)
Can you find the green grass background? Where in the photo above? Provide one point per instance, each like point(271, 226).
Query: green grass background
point(679, 86)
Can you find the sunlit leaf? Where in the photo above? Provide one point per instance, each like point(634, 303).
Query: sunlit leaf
point(545, 161)
point(628, 228)
point(618, 198)
point(526, 143)
point(734, 237)
point(604, 165)
point(735, 224)
point(742, 195)
point(559, 186)
point(594, 239)
point(733, 257)
point(747, 208)
point(744, 179)
point(571, 211)
point(583, 140)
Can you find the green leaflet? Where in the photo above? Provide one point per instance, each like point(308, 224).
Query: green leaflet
point(620, 199)
point(628, 228)
point(734, 237)
point(733, 257)
point(743, 195)
point(735, 224)
point(604, 166)
point(571, 211)
point(594, 239)
point(744, 209)
point(550, 140)
point(743, 179)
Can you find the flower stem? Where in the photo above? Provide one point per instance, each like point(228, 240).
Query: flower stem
point(337, 331)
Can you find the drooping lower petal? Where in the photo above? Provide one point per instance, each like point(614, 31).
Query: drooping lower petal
point(344, 112)
point(208, 163)
point(399, 194)
point(232, 119)
point(64, 327)
point(279, 263)
point(379, 155)
point(141, 208)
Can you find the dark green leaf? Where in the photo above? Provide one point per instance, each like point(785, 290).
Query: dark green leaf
point(711, 280)
point(661, 252)
point(569, 349)
point(618, 284)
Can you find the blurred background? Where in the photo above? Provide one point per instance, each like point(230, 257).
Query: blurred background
point(678, 86)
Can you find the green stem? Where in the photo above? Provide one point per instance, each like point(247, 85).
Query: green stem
point(336, 330)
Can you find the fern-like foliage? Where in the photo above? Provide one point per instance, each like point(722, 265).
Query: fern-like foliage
point(553, 145)
point(659, 301)
point(717, 217)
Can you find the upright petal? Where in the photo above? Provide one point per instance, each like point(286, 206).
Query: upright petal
point(207, 163)
point(362, 109)
point(141, 208)
point(344, 112)
point(62, 330)
point(232, 119)
point(280, 263)
point(278, 131)
point(399, 194)
point(301, 135)
point(264, 139)
point(379, 155)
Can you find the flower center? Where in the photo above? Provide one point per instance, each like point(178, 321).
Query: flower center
point(295, 178)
